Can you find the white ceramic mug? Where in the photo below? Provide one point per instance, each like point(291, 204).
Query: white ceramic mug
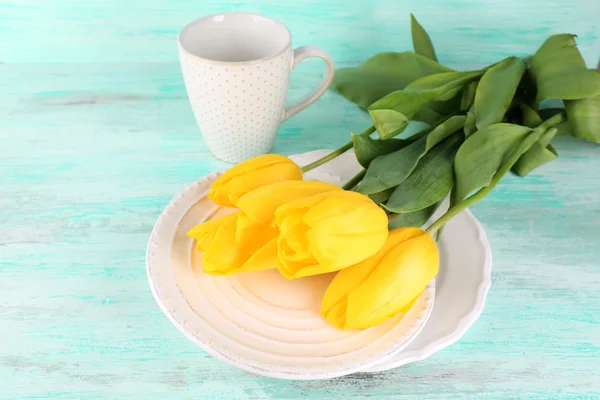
point(236, 68)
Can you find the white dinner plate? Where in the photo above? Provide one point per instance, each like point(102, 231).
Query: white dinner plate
point(268, 325)
point(260, 321)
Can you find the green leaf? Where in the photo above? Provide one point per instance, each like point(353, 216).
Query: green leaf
point(560, 71)
point(421, 41)
point(495, 91)
point(527, 88)
point(437, 110)
point(545, 63)
point(417, 218)
point(530, 117)
point(428, 115)
point(403, 105)
point(455, 80)
point(539, 154)
point(398, 106)
point(584, 118)
point(564, 127)
point(366, 148)
point(546, 113)
point(470, 127)
point(381, 197)
point(468, 96)
point(390, 170)
point(381, 75)
point(533, 158)
point(430, 182)
point(482, 154)
point(389, 123)
point(572, 85)
point(444, 130)
point(546, 137)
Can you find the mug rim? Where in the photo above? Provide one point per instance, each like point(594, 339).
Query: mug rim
point(255, 61)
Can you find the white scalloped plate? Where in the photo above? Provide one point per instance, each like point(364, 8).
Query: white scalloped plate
point(260, 321)
point(265, 324)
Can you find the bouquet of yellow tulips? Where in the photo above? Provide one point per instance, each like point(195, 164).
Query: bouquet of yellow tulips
point(304, 228)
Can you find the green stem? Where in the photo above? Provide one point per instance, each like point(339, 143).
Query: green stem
point(336, 153)
point(354, 181)
point(430, 128)
point(522, 148)
point(439, 233)
point(367, 132)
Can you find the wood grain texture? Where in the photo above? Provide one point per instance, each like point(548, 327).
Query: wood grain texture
point(96, 136)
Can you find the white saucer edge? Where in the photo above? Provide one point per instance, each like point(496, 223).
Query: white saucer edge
point(465, 323)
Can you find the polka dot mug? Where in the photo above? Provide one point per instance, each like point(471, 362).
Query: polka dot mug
point(236, 68)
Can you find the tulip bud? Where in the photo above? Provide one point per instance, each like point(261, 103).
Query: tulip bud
point(327, 232)
point(385, 284)
point(251, 174)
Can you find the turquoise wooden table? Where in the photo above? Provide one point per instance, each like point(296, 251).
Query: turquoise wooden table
point(97, 135)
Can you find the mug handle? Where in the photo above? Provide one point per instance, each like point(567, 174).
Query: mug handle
point(300, 54)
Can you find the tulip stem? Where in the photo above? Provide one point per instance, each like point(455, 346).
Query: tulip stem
point(514, 157)
point(355, 180)
point(337, 152)
point(439, 233)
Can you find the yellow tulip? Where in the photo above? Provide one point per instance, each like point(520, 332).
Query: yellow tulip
point(251, 174)
point(327, 232)
point(383, 285)
point(223, 256)
point(248, 237)
point(258, 206)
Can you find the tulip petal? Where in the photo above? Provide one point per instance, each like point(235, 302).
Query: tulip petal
point(336, 315)
point(398, 279)
point(260, 204)
point(252, 236)
point(360, 219)
point(293, 232)
point(299, 206)
point(291, 262)
point(265, 258)
point(239, 186)
point(252, 164)
point(346, 281)
point(333, 206)
point(349, 279)
point(295, 270)
point(349, 238)
point(251, 174)
point(204, 233)
point(244, 228)
point(343, 251)
point(223, 257)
